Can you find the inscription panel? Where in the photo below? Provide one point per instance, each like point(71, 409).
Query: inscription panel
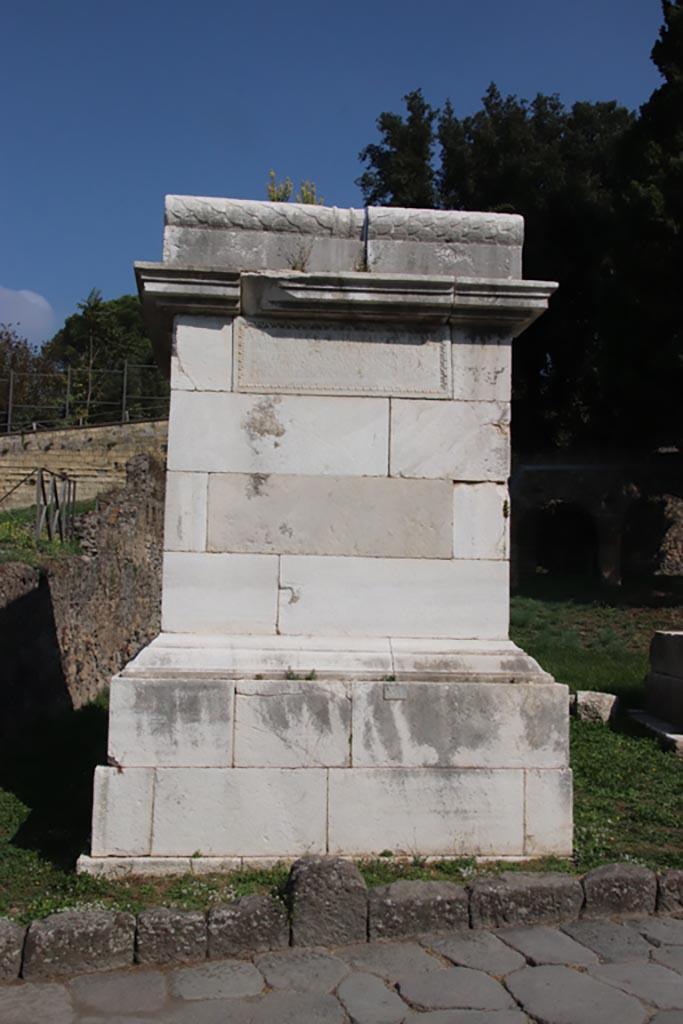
point(336, 359)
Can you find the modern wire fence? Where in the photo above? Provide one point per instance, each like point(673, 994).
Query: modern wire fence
point(81, 397)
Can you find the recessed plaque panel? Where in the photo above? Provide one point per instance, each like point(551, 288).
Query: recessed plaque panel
point(341, 359)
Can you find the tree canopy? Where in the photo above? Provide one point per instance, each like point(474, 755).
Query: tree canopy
point(601, 191)
point(98, 368)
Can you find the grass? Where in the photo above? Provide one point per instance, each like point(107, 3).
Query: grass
point(628, 792)
point(593, 638)
point(18, 542)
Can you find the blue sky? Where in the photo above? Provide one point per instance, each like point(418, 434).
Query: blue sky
point(107, 107)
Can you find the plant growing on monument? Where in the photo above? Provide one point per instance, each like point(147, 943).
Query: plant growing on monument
point(281, 191)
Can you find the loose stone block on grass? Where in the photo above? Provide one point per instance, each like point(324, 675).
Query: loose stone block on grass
point(408, 908)
point(518, 897)
point(329, 902)
point(252, 924)
point(619, 889)
point(77, 942)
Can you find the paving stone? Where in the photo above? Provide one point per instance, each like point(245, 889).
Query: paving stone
point(668, 956)
point(660, 931)
point(34, 1003)
point(649, 981)
point(293, 1008)
point(468, 1017)
point(560, 995)
point(302, 970)
point(480, 950)
point(619, 889)
point(454, 988)
point(329, 902)
point(78, 941)
point(668, 1017)
point(410, 907)
point(217, 981)
point(521, 897)
point(612, 942)
point(252, 924)
point(167, 936)
point(127, 992)
point(213, 1011)
point(670, 892)
point(116, 1020)
point(544, 945)
point(367, 1000)
point(389, 960)
point(11, 946)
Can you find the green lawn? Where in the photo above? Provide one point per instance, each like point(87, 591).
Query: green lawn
point(628, 792)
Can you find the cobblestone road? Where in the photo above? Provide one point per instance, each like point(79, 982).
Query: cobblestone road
point(588, 972)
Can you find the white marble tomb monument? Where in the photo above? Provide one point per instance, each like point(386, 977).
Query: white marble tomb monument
point(334, 673)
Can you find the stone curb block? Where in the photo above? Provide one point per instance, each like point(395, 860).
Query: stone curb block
point(330, 905)
point(524, 897)
point(165, 936)
point(620, 889)
point(407, 908)
point(12, 938)
point(670, 892)
point(328, 902)
point(78, 942)
point(252, 924)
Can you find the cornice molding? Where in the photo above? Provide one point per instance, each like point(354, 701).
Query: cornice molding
point(483, 304)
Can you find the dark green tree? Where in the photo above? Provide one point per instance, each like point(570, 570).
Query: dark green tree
point(558, 168)
point(105, 350)
point(400, 171)
point(647, 363)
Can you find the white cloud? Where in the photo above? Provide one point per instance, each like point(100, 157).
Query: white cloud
point(32, 314)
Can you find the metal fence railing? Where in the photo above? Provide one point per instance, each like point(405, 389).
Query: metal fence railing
point(55, 510)
point(55, 505)
point(81, 397)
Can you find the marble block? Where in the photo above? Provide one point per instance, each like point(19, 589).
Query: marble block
point(330, 515)
point(310, 435)
point(171, 722)
point(201, 359)
point(397, 597)
point(452, 440)
point(219, 593)
point(341, 359)
point(481, 521)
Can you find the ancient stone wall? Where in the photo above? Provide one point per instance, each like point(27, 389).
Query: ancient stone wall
point(95, 457)
point(66, 628)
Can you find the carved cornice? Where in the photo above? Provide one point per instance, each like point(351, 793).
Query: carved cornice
point(483, 304)
point(348, 296)
point(167, 291)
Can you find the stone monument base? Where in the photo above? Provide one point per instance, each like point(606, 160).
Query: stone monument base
point(253, 749)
